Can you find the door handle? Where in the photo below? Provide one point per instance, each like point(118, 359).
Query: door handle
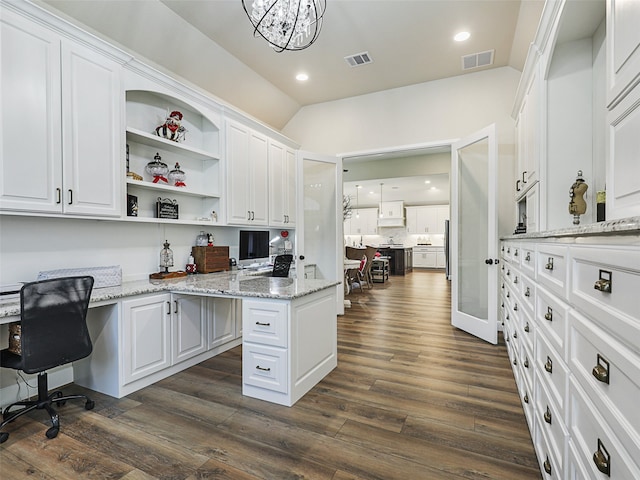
point(489, 261)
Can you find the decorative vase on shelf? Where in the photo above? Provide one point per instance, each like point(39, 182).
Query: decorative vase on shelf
point(177, 176)
point(157, 169)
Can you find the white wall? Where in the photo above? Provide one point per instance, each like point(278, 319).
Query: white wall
point(427, 112)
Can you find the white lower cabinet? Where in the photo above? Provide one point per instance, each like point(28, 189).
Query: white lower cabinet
point(147, 336)
point(428, 257)
point(156, 335)
point(578, 318)
point(288, 346)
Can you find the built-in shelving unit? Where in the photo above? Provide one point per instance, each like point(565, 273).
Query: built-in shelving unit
point(198, 156)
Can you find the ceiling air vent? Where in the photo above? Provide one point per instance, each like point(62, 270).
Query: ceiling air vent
point(476, 60)
point(358, 59)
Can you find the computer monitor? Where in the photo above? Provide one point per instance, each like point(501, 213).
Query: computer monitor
point(254, 244)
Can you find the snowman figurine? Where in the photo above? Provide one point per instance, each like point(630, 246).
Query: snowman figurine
point(172, 129)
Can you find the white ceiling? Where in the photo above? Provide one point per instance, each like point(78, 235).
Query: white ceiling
point(410, 41)
point(411, 190)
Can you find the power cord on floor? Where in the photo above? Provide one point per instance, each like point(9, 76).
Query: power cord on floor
point(26, 383)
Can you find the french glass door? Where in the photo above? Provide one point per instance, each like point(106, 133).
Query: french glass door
point(474, 232)
point(319, 224)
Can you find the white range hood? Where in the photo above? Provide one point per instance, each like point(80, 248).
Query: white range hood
point(391, 214)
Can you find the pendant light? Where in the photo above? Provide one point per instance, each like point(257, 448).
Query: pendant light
point(381, 211)
point(357, 202)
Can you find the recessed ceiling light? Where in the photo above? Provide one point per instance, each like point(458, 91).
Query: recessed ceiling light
point(358, 186)
point(427, 181)
point(302, 77)
point(462, 36)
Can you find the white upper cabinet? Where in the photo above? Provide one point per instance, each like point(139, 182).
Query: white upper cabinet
point(528, 138)
point(623, 119)
point(61, 136)
point(623, 48)
point(247, 180)
point(282, 180)
point(427, 219)
point(363, 221)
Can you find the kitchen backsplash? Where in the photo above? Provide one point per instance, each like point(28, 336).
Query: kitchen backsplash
point(394, 235)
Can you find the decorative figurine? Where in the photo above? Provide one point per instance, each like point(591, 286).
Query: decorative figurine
point(158, 169)
point(177, 176)
point(172, 129)
point(577, 205)
point(166, 261)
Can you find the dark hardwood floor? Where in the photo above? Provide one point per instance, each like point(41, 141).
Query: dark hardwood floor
point(412, 398)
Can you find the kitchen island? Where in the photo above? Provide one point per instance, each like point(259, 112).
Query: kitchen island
point(143, 331)
point(400, 258)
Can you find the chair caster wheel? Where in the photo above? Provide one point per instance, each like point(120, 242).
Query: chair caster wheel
point(61, 404)
point(89, 405)
point(3, 437)
point(52, 432)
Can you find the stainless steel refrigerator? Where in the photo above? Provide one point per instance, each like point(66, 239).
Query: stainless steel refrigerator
point(446, 249)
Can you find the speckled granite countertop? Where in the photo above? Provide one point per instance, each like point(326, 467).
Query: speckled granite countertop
point(236, 283)
point(629, 225)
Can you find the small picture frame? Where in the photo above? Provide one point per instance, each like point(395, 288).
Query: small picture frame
point(132, 206)
point(166, 208)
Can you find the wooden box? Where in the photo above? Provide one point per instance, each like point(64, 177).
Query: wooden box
point(211, 259)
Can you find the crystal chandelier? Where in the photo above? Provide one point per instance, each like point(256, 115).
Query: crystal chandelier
point(286, 24)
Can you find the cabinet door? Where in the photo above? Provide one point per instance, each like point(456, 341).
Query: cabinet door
point(623, 48)
point(92, 97)
point(281, 185)
point(189, 326)
point(258, 179)
point(412, 225)
point(146, 335)
point(222, 321)
point(238, 172)
point(30, 138)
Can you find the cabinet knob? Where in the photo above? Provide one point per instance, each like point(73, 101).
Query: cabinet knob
point(528, 257)
point(548, 366)
point(526, 327)
point(601, 370)
point(526, 363)
point(549, 265)
point(547, 416)
point(515, 307)
point(547, 466)
point(602, 459)
point(527, 293)
point(549, 314)
point(526, 398)
point(603, 283)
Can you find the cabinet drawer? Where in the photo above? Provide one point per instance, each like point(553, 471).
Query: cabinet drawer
point(551, 318)
point(551, 268)
point(553, 372)
point(528, 293)
point(526, 397)
point(550, 466)
point(265, 322)
point(528, 260)
point(616, 390)
point(265, 367)
point(528, 328)
point(527, 364)
point(619, 309)
point(590, 435)
point(550, 422)
point(575, 469)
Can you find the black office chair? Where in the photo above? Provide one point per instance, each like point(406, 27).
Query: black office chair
point(281, 265)
point(53, 332)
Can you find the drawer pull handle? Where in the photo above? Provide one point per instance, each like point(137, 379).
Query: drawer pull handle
point(507, 294)
point(526, 327)
point(508, 249)
point(549, 314)
point(503, 285)
point(263, 324)
point(526, 363)
point(508, 273)
point(515, 280)
point(502, 304)
point(547, 466)
point(527, 293)
point(515, 307)
point(515, 253)
point(526, 398)
point(602, 459)
point(507, 317)
point(604, 283)
point(601, 370)
point(549, 265)
point(547, 416)
point(515, 334)
point(515, 361)
point(528, 257)
point(258, 367)
point(548, 366)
